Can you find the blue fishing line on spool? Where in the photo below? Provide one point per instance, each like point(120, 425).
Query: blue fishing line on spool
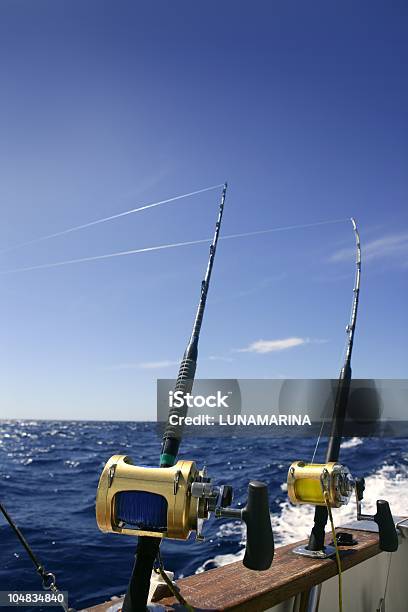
point(142, 509)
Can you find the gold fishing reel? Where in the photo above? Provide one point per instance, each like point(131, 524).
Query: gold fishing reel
point(322, 484)
point(173, 502)
point(159, 502)
point(309, 482)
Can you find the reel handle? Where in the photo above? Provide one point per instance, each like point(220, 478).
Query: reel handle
point(260, 548)
point(386, 527)
point(388, 535)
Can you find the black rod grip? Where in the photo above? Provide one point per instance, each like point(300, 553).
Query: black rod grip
point(259, 544)
point(386, 527)
point(139, 584)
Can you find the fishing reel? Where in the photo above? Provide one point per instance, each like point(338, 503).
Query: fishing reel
point(332, 484)
point(313, 483)
point(174, 502)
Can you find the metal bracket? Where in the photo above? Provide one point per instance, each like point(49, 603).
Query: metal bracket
point(177, 477)
point(327, 553)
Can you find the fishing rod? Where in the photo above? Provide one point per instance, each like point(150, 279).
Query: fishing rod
point(49, 582)
point(188, 365)
point(148, 548)
point(330, 485)
point(316, 539)
point(173, 500)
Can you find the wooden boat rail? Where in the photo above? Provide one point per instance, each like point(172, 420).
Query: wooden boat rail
point(234, 588)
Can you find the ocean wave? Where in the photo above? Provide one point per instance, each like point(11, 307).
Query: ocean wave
point(49, 474)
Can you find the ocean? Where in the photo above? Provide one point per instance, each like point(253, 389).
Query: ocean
point(49, 472)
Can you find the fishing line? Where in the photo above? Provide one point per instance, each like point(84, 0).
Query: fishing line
point(111, 217)
point(336, 548)
point(168, 246)
point(284, 228)
point(318, 439)
point(381, 607)
point(171, 585)
point(324, 420)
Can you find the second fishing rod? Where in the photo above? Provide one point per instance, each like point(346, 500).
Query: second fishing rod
point(173, 500)
point(330, 485)
point(148, 548)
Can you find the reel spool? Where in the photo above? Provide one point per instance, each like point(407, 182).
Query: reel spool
point(174, 502)
point(307, 483)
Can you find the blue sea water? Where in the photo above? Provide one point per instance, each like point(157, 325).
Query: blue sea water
point(49, 472)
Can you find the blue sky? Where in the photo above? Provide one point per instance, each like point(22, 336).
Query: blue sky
point(302, 107)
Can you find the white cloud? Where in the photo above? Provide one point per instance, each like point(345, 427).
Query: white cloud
point(392, 245)
point(270, 346)
point(260, 347)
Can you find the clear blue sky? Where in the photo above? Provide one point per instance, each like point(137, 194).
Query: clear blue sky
point(302, 107)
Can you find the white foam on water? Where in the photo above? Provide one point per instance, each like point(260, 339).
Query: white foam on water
point(231, 529)
point(351, 443)
point(294, 523)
